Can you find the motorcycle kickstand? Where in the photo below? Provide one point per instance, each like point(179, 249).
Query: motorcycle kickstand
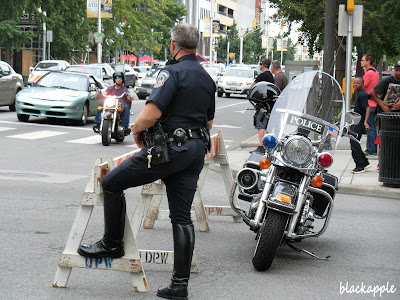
point(291, 245)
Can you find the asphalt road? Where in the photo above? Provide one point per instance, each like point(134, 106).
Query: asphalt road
point(44, 170)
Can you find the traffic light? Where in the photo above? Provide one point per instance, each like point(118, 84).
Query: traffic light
point(349, 6)
point(254, 23)
point(282, 23)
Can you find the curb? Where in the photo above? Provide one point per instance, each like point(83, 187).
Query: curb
point(376, 191)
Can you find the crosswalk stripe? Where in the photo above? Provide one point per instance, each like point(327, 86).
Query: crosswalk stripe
point(6, 128)
point(91, 140)
point(37, 135)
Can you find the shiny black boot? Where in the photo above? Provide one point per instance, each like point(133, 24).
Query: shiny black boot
point(112, 244)
point(183, 251)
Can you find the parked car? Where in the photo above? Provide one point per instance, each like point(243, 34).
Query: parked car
point(65, 95)
point(130, 74)
point(213, 72)
point(110, 71)
point(236, 80)
point(98, 71)
point(387, 74)
point(144, 86)
point(142, 71)
point(10, 84)
point(44, 67)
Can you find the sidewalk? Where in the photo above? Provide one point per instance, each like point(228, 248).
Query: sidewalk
point(363, 184)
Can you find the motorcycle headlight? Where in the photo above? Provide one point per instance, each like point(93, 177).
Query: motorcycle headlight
point(110, 102)
point(297, 150)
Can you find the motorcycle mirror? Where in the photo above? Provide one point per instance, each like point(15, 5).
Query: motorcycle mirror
point(352, 117)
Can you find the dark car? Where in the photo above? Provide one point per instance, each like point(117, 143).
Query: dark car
point(10, 84)
point(129, 73)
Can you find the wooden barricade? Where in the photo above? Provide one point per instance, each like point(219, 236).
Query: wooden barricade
point(145, 213)
point(218, 156)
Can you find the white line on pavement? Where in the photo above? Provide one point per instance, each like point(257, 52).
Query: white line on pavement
point(234, 104)
point(37, 135)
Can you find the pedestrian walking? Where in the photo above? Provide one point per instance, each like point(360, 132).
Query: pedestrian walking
point(371, 79)
point(173, 132)
point(361, 107)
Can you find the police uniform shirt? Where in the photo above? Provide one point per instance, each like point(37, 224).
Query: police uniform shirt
point(265, 76)
point(185, 94)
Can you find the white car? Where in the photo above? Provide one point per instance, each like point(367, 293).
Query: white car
point(142, 71)
point(44, 67)
point(236, 80)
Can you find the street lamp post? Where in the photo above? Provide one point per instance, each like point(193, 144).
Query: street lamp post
point(99, 45)
point(241, 44)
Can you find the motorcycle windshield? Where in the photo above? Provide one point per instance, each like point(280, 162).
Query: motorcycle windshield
point(313, 105)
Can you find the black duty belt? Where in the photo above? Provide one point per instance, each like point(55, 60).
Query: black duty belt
point(190, 134)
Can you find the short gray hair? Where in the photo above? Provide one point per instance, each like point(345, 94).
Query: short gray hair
point(185, 35)
point(276, 64)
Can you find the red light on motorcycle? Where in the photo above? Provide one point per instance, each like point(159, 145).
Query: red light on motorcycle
point(99, 107)
point(120, 108)
point(325, 159)
point(317, 181)
point(264, 163)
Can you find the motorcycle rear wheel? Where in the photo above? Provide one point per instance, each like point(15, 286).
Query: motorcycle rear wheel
point(269, 239)
point(106, 132)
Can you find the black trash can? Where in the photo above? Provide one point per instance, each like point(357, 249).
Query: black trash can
point(389, 156)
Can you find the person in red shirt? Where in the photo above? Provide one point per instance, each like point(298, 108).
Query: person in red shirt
point(371, 79)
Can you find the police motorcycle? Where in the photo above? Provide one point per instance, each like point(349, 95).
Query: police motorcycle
point(286, 195)
point(111, 119)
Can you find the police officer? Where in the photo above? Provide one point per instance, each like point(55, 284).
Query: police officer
point(260, 119)
point(182, 106)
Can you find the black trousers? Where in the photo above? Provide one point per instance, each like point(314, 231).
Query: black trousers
point(356, 151)
point(180, 175)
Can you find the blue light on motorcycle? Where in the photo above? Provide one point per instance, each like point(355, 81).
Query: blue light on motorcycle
point(269, 141)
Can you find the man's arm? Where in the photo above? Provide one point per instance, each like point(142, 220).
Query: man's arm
point(147, 118)
point(367, 113)
point(383, 105)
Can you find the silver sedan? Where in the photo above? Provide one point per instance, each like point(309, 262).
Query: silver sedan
point(10, 84)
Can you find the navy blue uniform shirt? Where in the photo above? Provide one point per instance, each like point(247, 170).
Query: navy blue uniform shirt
point(185, 94)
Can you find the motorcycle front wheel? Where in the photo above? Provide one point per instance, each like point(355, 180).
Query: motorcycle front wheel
point(106, 132)
point(269, 239)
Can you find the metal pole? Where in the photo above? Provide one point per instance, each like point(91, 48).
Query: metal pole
point(44, 38)
point(211, 30)
point(241, 44)
point(99, 45)
point(227, 54)
point(349, 48)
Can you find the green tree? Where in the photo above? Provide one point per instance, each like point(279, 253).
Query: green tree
point(11, 36)
point(379, 20)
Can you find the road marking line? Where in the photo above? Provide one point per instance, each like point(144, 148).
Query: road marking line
point(91, 140)
point(6, 128)
point(225, 126)
point(232, 104)
point(37, 135)
point(47, 125)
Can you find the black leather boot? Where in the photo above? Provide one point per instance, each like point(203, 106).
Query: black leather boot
point(183, 252)
point(112, 244)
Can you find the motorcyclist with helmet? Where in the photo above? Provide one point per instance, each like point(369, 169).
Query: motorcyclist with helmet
point(262, 96)
point(117, 90)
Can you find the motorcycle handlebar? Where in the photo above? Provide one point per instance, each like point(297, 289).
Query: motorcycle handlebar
point(351, 134)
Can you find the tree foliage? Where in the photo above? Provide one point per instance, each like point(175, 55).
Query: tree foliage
point(379, 22)
point(140, 26)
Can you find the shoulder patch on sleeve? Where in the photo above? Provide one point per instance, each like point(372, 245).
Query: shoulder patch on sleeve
point(161, 78)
